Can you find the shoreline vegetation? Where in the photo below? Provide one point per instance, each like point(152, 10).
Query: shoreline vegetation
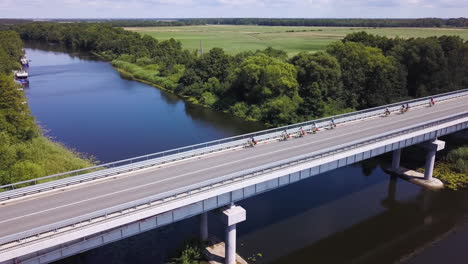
point(268, 86)
point(452, 167)
point(25, 153)
point(357, 72)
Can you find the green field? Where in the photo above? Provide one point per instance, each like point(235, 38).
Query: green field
point(234, 39)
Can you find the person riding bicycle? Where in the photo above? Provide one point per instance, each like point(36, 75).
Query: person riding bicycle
point(332, 123)
point(253, 141)
point(387, 112)
point(403, 109)
point(314, 127)
point(407, 107)
point(301, 132)
point(432, 101)
point(285, 135)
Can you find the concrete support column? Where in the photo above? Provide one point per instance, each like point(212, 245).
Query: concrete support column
point(396, 160)
point(429, 168)
point(204, 226)
point(432, 147)
point(230, 244)
point(231, 217)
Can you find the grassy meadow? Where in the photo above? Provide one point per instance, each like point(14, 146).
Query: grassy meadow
point(235, 39)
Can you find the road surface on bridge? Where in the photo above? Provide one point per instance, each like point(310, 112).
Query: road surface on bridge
point(48, 208)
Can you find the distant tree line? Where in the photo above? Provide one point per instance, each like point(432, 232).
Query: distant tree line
point(13, 21)
point(318, 22)
point(358, 72)
point(24, 152)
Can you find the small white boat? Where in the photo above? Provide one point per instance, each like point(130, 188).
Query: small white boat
point(21, 74)
point(21, 77)
point(24, 61)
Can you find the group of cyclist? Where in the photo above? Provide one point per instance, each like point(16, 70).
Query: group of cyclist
point(405, 108)
point(314, 128)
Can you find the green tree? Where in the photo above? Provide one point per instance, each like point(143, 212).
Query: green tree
point(215, 63)
point(369, 77)
point(319, 78)
point(261, 78)
point(426, 65)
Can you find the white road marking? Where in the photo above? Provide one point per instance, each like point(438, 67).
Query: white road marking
point(221, 165)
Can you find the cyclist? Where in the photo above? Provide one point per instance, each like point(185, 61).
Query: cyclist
point(253, 141)
point(285, 135)
point(314, 128)
point(332, 123)
point(300, 132)
point(387, 112)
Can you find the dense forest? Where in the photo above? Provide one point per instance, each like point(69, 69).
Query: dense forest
point(318, 22)
point(24, 152)
point(358, 72)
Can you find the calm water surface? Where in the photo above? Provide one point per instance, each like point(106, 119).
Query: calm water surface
point(84, 103)
point(356, 214)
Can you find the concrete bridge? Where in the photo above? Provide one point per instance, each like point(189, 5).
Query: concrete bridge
point(50, 220)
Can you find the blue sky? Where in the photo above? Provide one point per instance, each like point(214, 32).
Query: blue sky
point(231, 8)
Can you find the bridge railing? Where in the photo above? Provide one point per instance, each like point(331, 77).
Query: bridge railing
point(141, 204)
point(60, 180)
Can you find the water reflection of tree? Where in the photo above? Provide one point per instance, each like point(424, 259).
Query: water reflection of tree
point(74, 53)
point(385, 237)
point(170, 98)
point(220, 120)
point(369, 165)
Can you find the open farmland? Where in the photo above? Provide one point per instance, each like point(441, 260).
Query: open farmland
point(235, 39)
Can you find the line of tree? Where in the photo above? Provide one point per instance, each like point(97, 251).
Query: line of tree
point(319, 22)
point(24, 152)
point(358, 72)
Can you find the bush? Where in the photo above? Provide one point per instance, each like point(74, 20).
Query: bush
point(208, 98)
point(191, 254)
point(239, 109)
point(459, 158)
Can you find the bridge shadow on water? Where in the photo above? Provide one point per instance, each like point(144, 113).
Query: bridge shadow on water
point(342, 216)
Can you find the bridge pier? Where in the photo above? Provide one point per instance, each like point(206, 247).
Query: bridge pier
point(396, 159)
point(426, 180)
point(204, 226)
point(232, 216)
point(432, 147)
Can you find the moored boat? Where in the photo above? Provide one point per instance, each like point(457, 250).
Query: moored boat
point(22, 76)
point(24, 61)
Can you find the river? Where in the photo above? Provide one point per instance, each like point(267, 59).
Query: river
point(355, 214)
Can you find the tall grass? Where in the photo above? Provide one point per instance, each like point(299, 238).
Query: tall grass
point(459, 159)
point(39, 157)
point(148, 73)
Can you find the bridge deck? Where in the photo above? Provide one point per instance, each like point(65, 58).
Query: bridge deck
point(52, 207)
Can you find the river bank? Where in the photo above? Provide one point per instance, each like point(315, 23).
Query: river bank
point(26, 152)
